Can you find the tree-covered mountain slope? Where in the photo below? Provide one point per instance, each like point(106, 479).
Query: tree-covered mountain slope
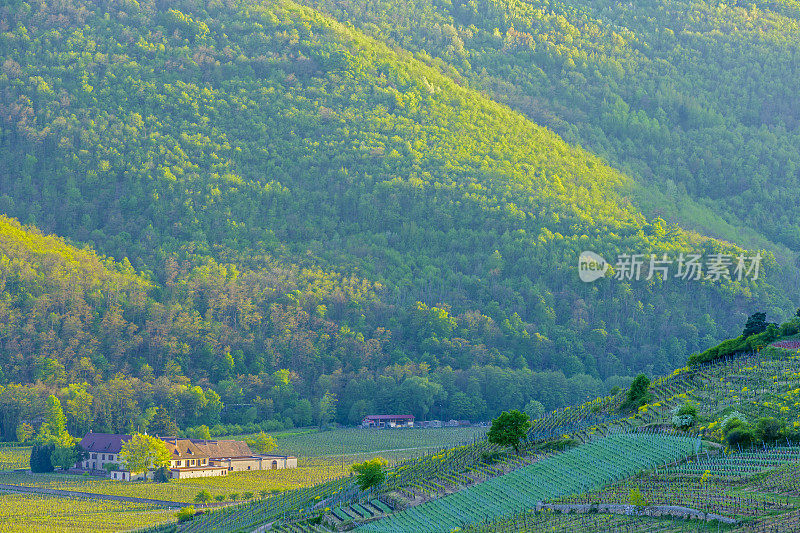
point(310, 198)
point(695, 99)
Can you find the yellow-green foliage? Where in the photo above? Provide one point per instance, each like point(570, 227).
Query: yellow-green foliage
point(24, 513)
point(288, 180)
point(307, 474)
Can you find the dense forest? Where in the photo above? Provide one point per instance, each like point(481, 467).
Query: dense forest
point(260, 209)
point(696, 99)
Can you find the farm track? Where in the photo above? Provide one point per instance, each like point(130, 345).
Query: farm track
point(91, 495)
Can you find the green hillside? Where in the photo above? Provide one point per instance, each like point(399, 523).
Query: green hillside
point(695, 99)
point(301, 196)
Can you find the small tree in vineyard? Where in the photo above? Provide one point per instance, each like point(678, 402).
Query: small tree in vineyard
point(509, 429)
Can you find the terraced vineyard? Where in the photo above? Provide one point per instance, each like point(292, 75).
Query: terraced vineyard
point(291, 504)
point(739, 464)
point(592, 465)
point(587, 523)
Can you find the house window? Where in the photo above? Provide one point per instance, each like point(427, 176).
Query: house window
point(230, 468)
point(193, 461)
point(248, 468)
point(178, 463)
point(103, 457)
point(94, 456)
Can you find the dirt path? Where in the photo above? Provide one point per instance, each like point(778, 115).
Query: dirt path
point(93, 495)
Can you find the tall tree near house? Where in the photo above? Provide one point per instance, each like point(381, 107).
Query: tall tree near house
point(143, 452)
point(162, 424)
point(77, 404)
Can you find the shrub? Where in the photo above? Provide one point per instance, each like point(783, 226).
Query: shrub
point(203, 496)
point(638, 394)
point(637, 498)
point(769, 429)
point(162, 474)
point(732, 421)
point(370, 473)
point(684, 416)
point(40, 458)
point(185, 514)
point(743, 436)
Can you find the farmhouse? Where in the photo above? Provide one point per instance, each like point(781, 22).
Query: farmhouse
point(189, 458)
point(388, 421)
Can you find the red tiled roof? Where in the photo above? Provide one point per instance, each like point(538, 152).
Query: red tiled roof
point(389, 417)
point(103, 442)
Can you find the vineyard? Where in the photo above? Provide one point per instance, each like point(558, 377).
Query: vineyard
point(308, 473)
point(293, 504)
point(391, 444)
point(591, 465)
point(22, 513)
point(553, 522)
point(14, 457)
point(442, 479)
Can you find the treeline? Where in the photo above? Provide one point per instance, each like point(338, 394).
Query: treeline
point(286, 193)
point(171, 405)
point(756, 335)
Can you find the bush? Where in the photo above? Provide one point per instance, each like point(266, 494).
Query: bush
point(743, 436)
point(637, 498)
point(162, 474)
point(638, 394)
point(769, 429)
point(185, 514)
point(203, 496)
point(41, 458)
point(684, 416)
point(733, 421)
point(370, 473)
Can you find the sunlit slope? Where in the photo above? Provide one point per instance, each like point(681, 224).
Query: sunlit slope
point(694, 99)
point(251, 131)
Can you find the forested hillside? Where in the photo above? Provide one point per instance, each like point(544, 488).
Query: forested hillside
point(696, 99)
point(282, 192)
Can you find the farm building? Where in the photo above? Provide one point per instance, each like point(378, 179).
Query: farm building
point(388, 421)
point(189, 458)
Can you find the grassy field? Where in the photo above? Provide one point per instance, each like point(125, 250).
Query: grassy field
point(25, 513)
